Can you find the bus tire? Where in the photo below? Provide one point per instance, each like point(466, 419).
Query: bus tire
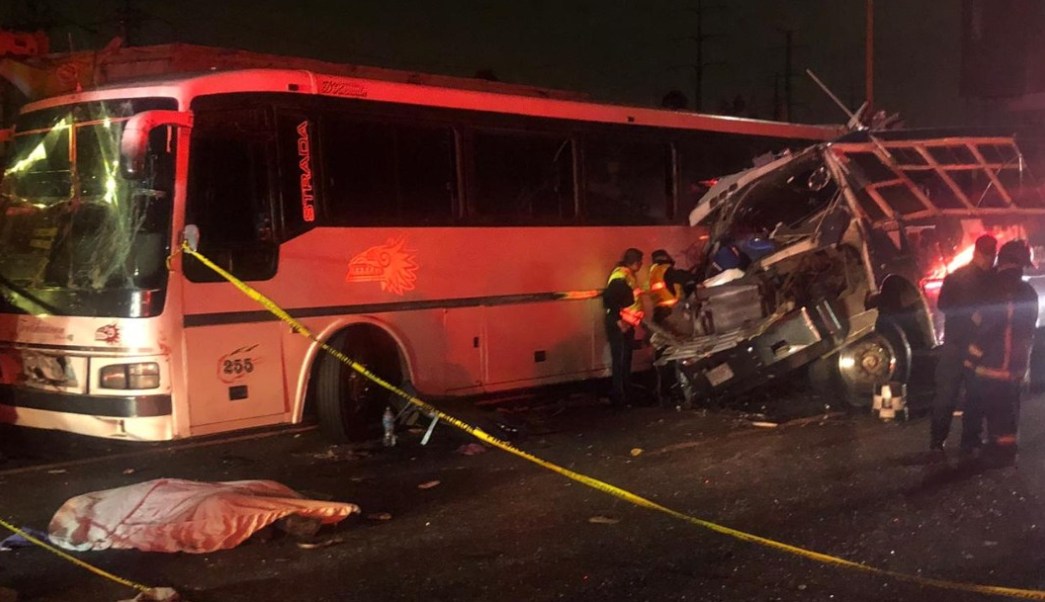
point(349, 405)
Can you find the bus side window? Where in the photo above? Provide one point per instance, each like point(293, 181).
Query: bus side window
point(378, 173)
point(230, 194)
point(522, 178)
point(627, 181)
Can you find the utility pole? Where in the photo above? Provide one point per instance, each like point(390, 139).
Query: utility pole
point(701, 64)
point(778, 109)
point(788, 73)
point(869, 60)
point(698, 91)
point(129, 20)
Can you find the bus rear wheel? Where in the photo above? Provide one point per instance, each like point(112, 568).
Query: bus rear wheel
point(349, 405)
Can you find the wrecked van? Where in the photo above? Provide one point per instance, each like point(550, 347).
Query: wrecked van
point(831, 259)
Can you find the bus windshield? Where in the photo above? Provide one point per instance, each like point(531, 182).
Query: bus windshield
point(76, 238)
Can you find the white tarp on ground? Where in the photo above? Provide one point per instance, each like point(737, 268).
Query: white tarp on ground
point(174, 515)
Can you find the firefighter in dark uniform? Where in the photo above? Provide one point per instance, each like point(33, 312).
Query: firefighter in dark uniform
point(999, 353)
point(622, 300)
point(960, 296)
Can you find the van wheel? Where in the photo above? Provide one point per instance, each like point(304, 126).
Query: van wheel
point(348, 403)
point(851, 374)
point(880, 357)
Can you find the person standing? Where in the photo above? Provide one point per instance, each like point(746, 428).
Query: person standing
point(666, 288)
point(999, 353)
point(962, 290)
point(622, 300)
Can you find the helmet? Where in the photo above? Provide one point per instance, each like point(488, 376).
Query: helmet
point(1015, 252)
point(661, 256)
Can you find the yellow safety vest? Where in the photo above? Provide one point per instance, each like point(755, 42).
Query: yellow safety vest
point(663, 296)
point(633, 313)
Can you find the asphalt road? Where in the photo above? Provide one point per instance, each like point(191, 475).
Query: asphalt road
point(497, 527)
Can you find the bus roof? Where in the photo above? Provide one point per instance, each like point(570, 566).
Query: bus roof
point(185, 72)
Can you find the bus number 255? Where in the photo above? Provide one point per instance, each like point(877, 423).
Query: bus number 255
point(238, 366)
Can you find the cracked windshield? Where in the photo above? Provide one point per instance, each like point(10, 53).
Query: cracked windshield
point(75, 235)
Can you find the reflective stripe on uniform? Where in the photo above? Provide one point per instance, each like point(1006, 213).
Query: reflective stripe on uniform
point(994, 373)
point(662, 295)
point(1005, 440)
point(633, 313)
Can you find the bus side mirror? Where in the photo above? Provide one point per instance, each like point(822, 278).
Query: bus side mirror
point(135, 138)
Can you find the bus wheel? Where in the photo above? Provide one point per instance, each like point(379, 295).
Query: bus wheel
point(880, 357)
point(348, 403)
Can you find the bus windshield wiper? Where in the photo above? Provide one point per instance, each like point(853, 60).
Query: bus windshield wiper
point(22, 292)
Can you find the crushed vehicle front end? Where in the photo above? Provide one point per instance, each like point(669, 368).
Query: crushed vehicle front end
point(830, 258)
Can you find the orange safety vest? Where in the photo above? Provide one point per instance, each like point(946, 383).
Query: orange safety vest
point(633, 313)
point(663, 296)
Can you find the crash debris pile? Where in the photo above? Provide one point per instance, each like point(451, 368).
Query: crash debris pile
point(825, 258)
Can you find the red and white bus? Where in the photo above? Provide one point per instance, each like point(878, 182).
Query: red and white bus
point(455, 240)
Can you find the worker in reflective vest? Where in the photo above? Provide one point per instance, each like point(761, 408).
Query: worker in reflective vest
point(666, 284)
point(622, 300)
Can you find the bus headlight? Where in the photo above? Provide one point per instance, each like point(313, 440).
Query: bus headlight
point(145, 375)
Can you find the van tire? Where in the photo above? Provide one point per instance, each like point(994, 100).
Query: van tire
point(828, 379)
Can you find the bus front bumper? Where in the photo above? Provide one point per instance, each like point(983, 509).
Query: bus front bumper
point(139, 417)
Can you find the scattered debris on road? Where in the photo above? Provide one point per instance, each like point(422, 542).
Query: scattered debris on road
point(471, 449)
point(299, 526)
point(764, 424)
point(603, 520)
point(157, 594)
point(379, 516)
point(17, 541)
point(340, 453)
point(428, 484)
point(312, 545)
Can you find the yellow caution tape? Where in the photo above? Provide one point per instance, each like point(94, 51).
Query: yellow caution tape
point(1028, 594)
point(73, 559)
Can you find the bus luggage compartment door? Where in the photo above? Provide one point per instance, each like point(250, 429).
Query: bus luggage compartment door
point(537, 343)
point(235, 373)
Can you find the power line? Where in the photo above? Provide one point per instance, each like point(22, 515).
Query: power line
point(700, 64)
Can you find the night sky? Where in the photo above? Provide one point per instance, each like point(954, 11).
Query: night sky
point(623, 51)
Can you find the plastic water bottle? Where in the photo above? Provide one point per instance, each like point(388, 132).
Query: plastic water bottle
point(388, 421)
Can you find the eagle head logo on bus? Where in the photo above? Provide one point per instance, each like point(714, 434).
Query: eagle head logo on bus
point(109, 334)
point(391, 264)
